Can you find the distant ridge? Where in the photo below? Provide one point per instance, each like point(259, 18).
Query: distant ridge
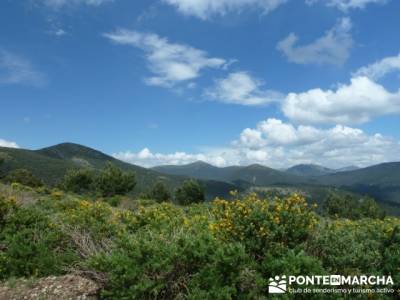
point(255, 174)
point(309, 170)
point(51, 163)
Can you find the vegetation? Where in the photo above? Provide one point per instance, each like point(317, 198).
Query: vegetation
point(181, 246)
point(352, 208)
point(23, 177)
point(160, 193)
point(51, 164)
point(108, 182)
point(218, 250)
point(190, 192)
point(113, 181)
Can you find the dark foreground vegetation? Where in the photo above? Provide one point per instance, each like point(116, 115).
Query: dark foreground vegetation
point(174, 245)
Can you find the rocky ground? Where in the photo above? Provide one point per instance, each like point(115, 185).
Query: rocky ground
point(69, 287)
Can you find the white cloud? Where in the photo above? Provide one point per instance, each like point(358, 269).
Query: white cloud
point(340, 145)
point(8, 144)
point(61, 3)
point(241, 88)
point(380, 68)
point(15, 69)
point(357, 102)
point(205, 9)
point(332, 48)
point(278, 144)
point(346, 5)
point(170, 63)
point(148, 159)
point(58, 32)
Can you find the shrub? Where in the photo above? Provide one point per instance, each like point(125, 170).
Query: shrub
point(178, 265)
point(190, 192)
point(33, 245)
point(7, 206)
point(160, 192)
point(24, 177)
point(356, 247)
point(79, 181)
point(350, 207)
point(263, 225)
point(113, 181)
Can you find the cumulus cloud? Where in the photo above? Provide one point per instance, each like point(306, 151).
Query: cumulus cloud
point(62, 3)
point(205, 9)
point(380, 68)
point(242, 88)
point(171, 63)
point(332, 48)
point(148, 159)
point(8, 144)
point(357, 102)
point(15, 69)
point(278, 144)
point(346, 5)
point(340, 145)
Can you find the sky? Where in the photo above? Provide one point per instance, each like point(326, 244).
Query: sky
point(229, 82)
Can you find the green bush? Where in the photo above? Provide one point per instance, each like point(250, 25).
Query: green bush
point(160, 193)
point(113, 181)
point(178, 265)
point(190, 192)
point(218, 250)
point(109, 182)
point(355, 247)
point(264, 226)
point(350, 207)
point(79, 181)
point(24, 177)
point(33, 245)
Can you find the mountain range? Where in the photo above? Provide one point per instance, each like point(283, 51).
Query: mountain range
point(50, 164)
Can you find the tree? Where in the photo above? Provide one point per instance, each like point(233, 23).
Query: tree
point(23, 177)
point(113, 181)
point(160, 193)
point(190, 192)
point(79, 181)
point(352, 207)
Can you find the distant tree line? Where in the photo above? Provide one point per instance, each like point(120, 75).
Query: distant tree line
point(112, 181)
point(352, 207)
point(109, 182)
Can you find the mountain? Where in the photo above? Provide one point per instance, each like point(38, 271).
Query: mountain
point(380, 181)
point(386, 174)
point(309, 170)
point(253, 174)
point(346, 169)
point(50, 164)
point(198, 170)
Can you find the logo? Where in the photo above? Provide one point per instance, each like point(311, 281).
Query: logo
point(277, 285)
point(329, 284)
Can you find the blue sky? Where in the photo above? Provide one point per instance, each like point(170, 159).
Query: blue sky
point(275, 82)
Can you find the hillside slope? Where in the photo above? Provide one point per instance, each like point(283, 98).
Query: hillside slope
point(253, 174)
point(309, 170)
point(50, 164)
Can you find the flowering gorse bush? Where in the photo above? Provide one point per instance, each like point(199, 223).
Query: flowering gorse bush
point(260, 224)
point(226, 249)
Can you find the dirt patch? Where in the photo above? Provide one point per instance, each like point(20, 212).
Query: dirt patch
point(69, 287)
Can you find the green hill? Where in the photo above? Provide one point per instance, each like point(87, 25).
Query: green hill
point(380, 181)
point(50, 164)
point(309, 170)
point(253, 174)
